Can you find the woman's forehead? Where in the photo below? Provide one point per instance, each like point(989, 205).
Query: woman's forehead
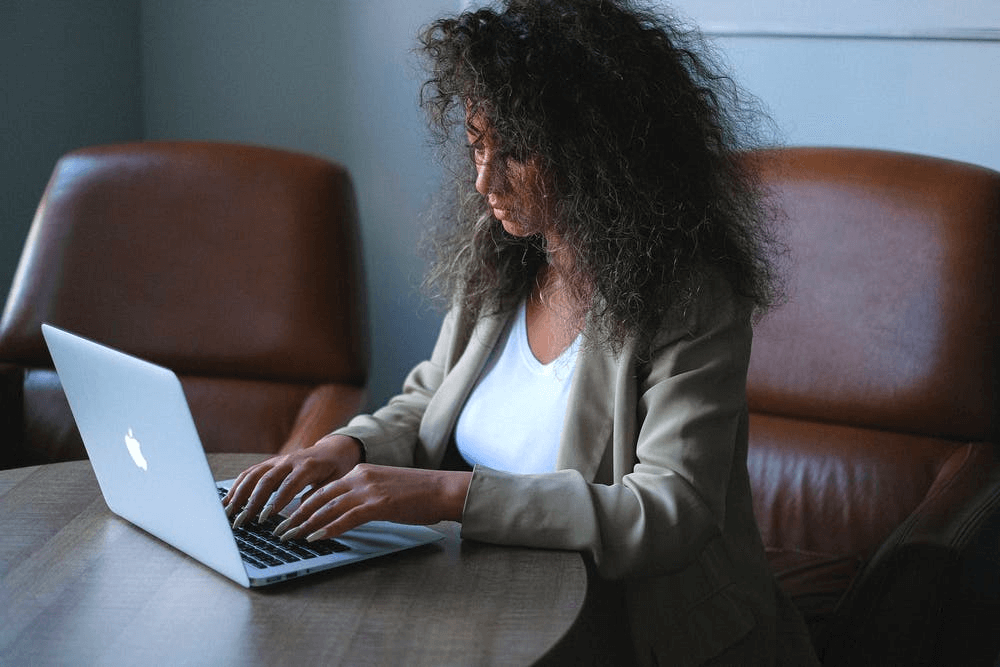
point(476, 122)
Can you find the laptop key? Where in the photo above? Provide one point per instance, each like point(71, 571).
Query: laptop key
point(274, 550)
point(252, 561)
point(326, 547)
point(257, 554)
point(300, 551)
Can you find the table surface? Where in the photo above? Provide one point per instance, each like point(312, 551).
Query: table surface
point(97, 590)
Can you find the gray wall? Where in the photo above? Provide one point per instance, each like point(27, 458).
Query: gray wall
point(898, 75)
point(931, 96)
point(336, 78)
point(329, 77)
point(69, 77)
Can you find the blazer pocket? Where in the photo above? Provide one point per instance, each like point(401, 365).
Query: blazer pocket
point(687, 617)
point(663, 635)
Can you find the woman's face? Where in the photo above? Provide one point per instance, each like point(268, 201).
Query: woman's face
point(517, 192)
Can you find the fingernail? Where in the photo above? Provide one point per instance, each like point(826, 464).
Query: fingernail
point(280, 528)
point(229, 509)
point(241, 519)
point(264, 513)
point(318, 535)
point(290, 535)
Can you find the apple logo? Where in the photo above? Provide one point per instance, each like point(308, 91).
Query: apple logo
point(135, 450)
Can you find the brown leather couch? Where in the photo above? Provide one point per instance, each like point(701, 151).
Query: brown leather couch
point(874, 396)
point(236, 266)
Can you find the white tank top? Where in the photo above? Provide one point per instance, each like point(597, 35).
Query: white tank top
point(513, 418)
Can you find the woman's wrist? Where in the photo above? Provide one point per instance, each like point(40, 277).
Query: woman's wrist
point(347, 450)
point(455, 485)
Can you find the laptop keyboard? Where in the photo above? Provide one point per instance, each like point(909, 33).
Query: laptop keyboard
point(259, 547)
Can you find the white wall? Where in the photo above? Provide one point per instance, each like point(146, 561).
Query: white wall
point(957, 19)
point(910, 75)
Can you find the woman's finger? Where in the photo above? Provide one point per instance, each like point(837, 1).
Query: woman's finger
point(263, 498)
point(281, 494)
point(254, 490)
point(227, 500)
point(352, 518)
point(320, 498)
point(330, 513)
point(242, 487)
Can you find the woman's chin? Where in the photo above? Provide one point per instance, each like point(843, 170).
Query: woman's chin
point(515, 229)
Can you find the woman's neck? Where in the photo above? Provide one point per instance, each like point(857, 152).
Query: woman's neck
point(554, 315)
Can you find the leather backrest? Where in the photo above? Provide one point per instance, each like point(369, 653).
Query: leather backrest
point(212, 259)
point(873, 388)
point(891, 320)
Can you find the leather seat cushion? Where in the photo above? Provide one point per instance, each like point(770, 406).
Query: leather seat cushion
point(813, 486)
point(814, 483)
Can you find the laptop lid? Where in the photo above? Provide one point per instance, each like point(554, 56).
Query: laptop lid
point(149, 462)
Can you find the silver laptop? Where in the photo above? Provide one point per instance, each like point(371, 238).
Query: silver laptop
point(151, 467)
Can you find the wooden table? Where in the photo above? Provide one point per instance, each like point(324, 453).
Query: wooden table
point(97, 590)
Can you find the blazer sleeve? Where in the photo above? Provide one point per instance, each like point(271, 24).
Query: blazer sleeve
point(390, 434)
point(681, 426)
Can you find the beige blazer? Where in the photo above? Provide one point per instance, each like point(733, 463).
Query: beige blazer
point(651, 478)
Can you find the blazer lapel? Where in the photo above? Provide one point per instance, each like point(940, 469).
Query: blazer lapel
point(589, 423)
point(442, 411)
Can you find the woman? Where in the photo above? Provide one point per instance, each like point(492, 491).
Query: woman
point(587, 389)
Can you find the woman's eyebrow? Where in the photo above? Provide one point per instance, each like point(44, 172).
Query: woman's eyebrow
point(475, 134)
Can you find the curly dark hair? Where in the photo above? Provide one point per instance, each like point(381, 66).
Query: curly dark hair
point(640, 134)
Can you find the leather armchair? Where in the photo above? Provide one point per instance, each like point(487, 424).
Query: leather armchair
point(238, 267)
point(874, 405)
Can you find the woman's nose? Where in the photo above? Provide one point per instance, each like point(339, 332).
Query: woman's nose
point(485, 175)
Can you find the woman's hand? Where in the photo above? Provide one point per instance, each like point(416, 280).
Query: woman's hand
point(268, 487)
point(374, 492)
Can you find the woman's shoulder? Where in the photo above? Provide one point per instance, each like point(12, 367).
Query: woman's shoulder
point(715, 306)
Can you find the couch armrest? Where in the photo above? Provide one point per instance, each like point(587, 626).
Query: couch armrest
point(916, 586)
point(328, 407)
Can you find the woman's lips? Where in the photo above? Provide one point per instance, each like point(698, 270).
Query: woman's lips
point(498, 210)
